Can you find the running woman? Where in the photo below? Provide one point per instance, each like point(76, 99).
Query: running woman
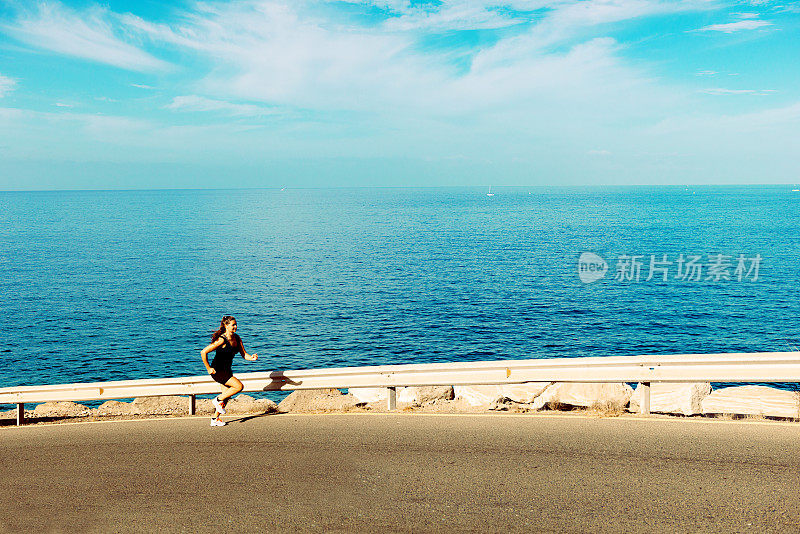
point(226, 343)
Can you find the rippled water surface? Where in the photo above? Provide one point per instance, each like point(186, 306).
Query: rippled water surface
point(130, 284)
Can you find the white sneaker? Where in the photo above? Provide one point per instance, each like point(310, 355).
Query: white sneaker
point(218, 405)
point(218, 422)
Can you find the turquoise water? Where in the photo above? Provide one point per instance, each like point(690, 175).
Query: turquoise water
point(110, 285)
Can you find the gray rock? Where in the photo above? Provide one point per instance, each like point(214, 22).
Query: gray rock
point(245, 404)
point(499, 407)
point(204, 407)
point(164, 405)
point(418, 396)
point(113, 407)
point(318, 400)
point(61, 409)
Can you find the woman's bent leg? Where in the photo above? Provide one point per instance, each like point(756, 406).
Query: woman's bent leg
point(231, 388)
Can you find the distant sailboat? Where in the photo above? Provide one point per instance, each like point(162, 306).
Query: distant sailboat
point(490, 194)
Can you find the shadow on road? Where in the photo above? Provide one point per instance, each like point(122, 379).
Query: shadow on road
point(252, 416)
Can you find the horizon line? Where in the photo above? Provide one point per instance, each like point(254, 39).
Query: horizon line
point(340, 187)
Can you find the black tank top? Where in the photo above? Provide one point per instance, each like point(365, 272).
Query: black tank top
point(223, 356)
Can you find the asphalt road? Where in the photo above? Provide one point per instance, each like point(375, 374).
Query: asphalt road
point(402, 473)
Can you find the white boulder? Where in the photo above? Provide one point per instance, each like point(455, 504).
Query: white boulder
point(478, 395)
point(584, 394)
point(405, 395)
point(753, 400)
point(369, 395)
point(523, 393)
point(673, 397)
point(486, 395)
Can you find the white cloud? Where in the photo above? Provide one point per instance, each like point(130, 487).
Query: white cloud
point(287, 54)
point(267, 52)
point(89, 35)
point(599, 153)
point(141, 86)
point(452, 16)
point(163, 32)
point(587, 71)
point(775, 120)
point(736, 26)
point(721, 91)
point(706, 73)
point(10, 114)
point(105, 128)
point(558, 75)
point(199, 103)
point(6, 85)
point(570, 19)
point(63, 105)
point(474, 14)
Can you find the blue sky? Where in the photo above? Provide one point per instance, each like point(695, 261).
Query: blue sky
point(144, 94)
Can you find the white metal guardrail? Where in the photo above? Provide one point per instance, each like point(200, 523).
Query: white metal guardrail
point(733, 367)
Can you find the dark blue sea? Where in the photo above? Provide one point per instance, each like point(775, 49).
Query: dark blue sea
point(112, 285)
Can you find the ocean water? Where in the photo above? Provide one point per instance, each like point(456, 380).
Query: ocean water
point(112, 285)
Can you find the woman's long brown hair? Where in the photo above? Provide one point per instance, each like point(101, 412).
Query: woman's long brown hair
point(225, 319)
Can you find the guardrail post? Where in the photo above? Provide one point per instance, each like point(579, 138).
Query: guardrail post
point(644, 408)
point(192, 404)
point(391, 401)
point(20, 413)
